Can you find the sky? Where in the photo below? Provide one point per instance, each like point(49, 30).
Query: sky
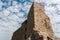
point(14, 12)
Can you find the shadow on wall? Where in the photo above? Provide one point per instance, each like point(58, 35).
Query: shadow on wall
point(24, 34)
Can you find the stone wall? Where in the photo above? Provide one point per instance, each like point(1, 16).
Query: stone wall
point(36, 27)
point(42, 22)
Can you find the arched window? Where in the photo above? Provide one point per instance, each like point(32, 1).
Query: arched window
point(36, 37)
point(48, 38)
point(33, 37)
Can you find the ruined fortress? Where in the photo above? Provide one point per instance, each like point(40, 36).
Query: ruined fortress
point(36, 27)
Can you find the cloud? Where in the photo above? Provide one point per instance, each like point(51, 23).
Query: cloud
point(6, 13)
point(5, 34)
point(26, 6)
point(57, 29)
point(12, 15)
point(50, 10)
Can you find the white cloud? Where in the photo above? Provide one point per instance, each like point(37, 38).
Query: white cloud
point(20, 14)
point(12, 17)
point(14, 3)
point(50, 10)
point(1, 5)
point(51, 1)
point(57, 30)
point(58, 6)
point(5, 35)
point(22, 19)
point(37, 1)
point(40, 1)
point(9, 21)
point(6, 13)
point(26, 7)
point(12, 9)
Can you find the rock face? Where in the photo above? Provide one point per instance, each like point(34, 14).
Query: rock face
point(36, 27)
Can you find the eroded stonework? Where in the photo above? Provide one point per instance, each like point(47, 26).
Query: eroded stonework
point(36, 27)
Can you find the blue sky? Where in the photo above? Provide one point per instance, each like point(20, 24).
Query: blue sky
point(14, 12)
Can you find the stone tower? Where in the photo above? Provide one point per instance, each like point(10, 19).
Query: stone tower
point(36, 27)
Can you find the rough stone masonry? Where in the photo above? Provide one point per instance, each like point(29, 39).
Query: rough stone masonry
point(36, 27)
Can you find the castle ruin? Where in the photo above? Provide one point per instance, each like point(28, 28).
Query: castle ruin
point(36, 27)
